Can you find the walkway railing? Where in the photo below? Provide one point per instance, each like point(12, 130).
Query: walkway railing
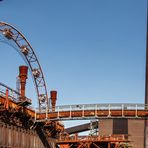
point(81, 111)
point(112, 106)
point(93, 111)
point(13, 94)
point(74, 138)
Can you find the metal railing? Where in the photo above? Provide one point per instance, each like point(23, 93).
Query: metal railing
point(85, 111)
point(85, 107)
point(118, 137)
point(93, 111)
point(13, 94)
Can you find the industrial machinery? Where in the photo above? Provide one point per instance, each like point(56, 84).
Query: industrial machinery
point(43, 125)
point(13, 37)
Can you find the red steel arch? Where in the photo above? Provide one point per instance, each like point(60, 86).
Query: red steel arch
point(9, 33)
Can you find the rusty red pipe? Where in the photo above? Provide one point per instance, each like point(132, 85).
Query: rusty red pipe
point(53, 97)
point(23, 72)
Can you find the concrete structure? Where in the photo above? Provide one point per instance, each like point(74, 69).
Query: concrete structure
point(132, 127)
point(130, 120)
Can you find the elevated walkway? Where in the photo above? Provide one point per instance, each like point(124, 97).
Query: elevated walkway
point(93, 111)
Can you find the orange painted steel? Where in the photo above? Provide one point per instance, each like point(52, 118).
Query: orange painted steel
point(6, 105)
point(114, 140)
point(81, 114)
point(12, 105)
point(23, 72)
point(53, 97)
point(22, 45)
point(92, 113)
point(16, 137)
point(77, 111)
point(109, 138)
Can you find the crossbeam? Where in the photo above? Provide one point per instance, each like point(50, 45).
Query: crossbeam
point(80, 111)
point(94, 111)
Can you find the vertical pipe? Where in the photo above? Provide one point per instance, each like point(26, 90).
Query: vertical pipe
point(23, 71)
point(146, 85)
point(83, 111)
point(96, 110)
point(136, 113)
point(58, 112)
point(108, 144)
point(35, 114)
point(53, 97)
point(70, 111)
point(7, 100)
point(122, 110)
point(109, 113)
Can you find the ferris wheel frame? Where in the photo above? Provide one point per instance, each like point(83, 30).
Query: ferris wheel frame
point(10, 33)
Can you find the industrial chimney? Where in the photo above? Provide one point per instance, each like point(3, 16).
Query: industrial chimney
point(53, 97)
point(23, 71)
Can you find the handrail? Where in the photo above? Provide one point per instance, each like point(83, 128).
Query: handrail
point(13, 94)
point(93, 111)
point(81, 111)
point(110, 106)
point(118, 137)
point(5, 86)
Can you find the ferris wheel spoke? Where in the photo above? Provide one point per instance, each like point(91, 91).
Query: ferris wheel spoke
point(11, 36)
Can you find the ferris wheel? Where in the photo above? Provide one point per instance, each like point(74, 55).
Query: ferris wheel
point(17, 40)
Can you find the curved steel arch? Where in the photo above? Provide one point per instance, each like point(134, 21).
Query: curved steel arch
point(10, 33)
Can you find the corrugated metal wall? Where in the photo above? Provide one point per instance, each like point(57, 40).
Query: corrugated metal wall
point(15, 137)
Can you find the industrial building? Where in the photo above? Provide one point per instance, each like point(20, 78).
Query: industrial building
point(22, 126)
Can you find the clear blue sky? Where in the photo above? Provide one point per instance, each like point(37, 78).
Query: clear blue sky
point(91, 51)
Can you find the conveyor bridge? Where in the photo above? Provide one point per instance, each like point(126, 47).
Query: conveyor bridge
point(75, 112)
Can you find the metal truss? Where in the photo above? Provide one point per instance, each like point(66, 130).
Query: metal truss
point(93, 111)
point(11, 36)
point(109, 141)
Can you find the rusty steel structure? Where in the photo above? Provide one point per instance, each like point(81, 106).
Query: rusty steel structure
point(94, 111)
point(14, 38)
point(111, 141)
point(16, 137)
point(23, 72)
point(22, 126)
point(82, 127)
point(81, 112)
point(19, 113)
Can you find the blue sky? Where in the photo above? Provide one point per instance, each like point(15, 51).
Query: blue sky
point(91, 51)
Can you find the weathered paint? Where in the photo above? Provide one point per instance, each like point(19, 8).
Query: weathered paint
point(15, 137)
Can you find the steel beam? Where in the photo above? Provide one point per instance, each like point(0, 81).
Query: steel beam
point(81, 128)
